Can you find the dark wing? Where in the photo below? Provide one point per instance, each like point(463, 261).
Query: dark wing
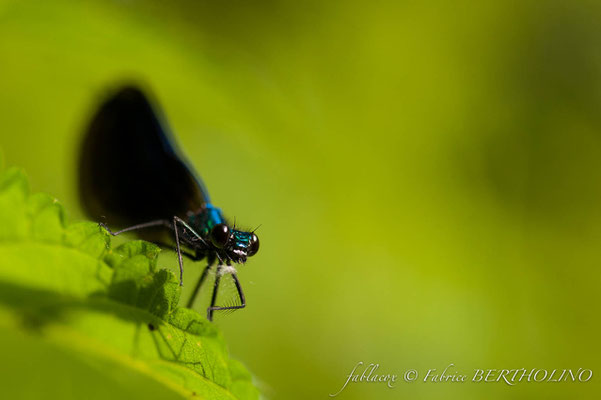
point(130, 170)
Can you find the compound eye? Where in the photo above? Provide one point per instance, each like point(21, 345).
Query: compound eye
point(253, 247)
point(220, 235)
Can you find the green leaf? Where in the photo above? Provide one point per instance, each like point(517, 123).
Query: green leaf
point(110, 312)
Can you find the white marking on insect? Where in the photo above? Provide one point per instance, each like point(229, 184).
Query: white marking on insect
point(227, 269)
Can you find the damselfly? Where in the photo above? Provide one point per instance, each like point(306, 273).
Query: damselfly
point(132, 173)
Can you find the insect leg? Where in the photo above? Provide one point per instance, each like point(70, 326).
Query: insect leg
point(178, 220)
point(165, 223)
point(186, 225)
point(214, 296)
point(240, 295)
point(187, 254)
point(145, 225)
point(198, 285)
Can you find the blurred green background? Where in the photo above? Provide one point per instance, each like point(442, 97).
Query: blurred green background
point(427, 175)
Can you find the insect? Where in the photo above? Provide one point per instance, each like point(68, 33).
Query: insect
point(132, 173)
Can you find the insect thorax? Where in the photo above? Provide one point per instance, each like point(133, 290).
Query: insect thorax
point(204, 220)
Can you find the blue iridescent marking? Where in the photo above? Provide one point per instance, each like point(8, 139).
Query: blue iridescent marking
point(206, 219)
point(214, 216)
point(242, 239)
